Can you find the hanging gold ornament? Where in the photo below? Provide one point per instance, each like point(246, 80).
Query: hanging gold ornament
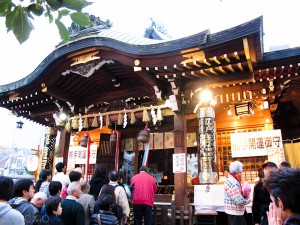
point(107, 122)
point(120, 120)
point(68, 126)
point(132, 118)
point(159, 116)
point(85, 123)
point(95, 122)
point(75, 123)
point(146, 118)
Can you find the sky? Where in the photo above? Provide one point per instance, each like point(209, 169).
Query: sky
point(180, 18)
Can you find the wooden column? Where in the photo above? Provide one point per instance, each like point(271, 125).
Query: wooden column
point(136, 156)
point(64, 144)
point(180, 146)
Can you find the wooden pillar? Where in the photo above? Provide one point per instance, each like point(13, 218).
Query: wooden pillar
point(136, 156)
point(64, 144)
point(180, 146)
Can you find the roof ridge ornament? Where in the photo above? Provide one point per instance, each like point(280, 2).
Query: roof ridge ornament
point(98, 24)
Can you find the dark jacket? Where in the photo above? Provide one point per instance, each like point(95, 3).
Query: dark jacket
point(261, 202)
point(73, 212)
point(54, 220)
point(107, 218)
point(293, 220)
point(96, 184)
point(27, 209)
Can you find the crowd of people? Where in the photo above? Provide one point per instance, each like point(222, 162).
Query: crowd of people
point(71, 200)
point(276, 195)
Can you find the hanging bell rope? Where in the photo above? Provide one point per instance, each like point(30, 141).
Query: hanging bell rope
point(146, 117)
point(120, 120)
point(132, 118)
point(107, 121)
point(95, 122)
point(159, 116)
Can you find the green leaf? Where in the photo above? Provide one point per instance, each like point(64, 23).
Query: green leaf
point(77, 5)
point(9, 19)
point(80, 19)
point(5, 7)
point(54, 4)
point(36, 9)
point(63, 31)
point(21, 24)
point(49, 14)
point(62, 13)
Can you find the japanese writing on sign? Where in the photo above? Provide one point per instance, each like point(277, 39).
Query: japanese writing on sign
point(255, 143)
point(179, 163)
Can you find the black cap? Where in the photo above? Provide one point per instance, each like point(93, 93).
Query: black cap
point(270, 164)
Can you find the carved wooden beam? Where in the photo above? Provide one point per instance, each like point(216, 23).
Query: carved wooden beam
point(151, 80)
point(60, 94)
point(220, 80)
point(115, 95)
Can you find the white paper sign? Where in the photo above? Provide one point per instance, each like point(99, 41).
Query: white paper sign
point(255, 143)
point(179, 163)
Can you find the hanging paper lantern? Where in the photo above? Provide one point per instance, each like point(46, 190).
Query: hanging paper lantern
point(120, 121)
point(144, 135)
point(113, 137)
point(32, 163)
point(95, 122)
point(84, 140)
point(132, 118)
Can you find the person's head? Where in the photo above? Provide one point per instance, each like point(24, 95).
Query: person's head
point(236, 168)
point(106, 202)
point(78, 169)
point(269, 167)
point(39, 199)
point(74, 189)
point(145, 169)
point(6, 188)
point(285, 165)
point(107, 190)
point(60, 167)
point(113, 175)
point(74, 176)
point(260, 173)
point(53, 207)
point(45, 175)
point(85, 187)
point(55, 188)
point(121, 177)
point(100, 170)
point(24, 188)
point(226, 172)
point(284, 186)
